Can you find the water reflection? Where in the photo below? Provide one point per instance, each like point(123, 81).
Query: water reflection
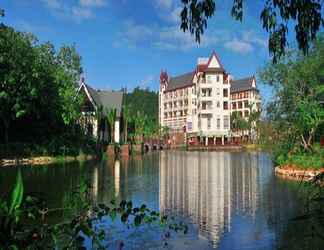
point(207, 186)
point(230, 200)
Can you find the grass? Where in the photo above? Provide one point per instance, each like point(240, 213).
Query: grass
point(303, 160)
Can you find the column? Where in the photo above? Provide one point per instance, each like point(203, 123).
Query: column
point(222, 139)
point(206, 142)
point(117, 131)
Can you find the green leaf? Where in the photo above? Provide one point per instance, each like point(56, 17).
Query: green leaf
point(124, 217)
point(137, 220)
point(17, 194)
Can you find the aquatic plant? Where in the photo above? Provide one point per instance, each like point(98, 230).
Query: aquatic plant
point(24, 225)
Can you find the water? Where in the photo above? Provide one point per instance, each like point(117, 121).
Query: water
point(229, 200)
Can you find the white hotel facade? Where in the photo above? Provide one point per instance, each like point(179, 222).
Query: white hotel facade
point(199, 104)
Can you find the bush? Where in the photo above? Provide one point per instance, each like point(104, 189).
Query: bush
point(65, 145)
point(303, 160)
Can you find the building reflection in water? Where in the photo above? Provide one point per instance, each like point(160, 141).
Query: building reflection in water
point(117, 177)
point(209, 187)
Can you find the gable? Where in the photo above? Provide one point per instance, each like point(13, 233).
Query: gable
point(213, 62)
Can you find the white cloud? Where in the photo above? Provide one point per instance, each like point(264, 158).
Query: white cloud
point(79, 11)
point(146, 81)
point(53, 4)
point(161, 37)
point(164, 4)
point(174, 17)
point(239, 46)
point(251, 37)
point(92, 3)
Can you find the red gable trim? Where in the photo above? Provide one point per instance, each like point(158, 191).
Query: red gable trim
point(217, 58)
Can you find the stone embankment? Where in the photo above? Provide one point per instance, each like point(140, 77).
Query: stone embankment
point(295, 173)
point(42, 160)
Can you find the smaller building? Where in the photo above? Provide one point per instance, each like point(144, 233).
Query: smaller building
point(95, 100)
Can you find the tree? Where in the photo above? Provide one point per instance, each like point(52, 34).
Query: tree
point(253, 119)
point(238, 123)
point(296, 112)
point(16, 76)
point(127, 118)
point(38, 86)
point(99, 118)
point(139, 122)
point(111, 118)
point(275, 18)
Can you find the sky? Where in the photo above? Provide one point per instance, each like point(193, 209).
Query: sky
point(126, 43)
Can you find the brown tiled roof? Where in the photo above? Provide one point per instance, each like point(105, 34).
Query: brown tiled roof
point(181, 81)
point(242, 85)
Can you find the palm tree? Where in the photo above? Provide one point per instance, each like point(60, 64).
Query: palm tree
point(127, 118)
point(99, 116)
point(253, 120)
point(139, 120)
point(111, 118)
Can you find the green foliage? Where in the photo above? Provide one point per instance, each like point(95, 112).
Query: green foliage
point(17, 194)
point(145, 101)
point(65, 145)
point(38, 90)
point(111, 118)
point(238, 123)
point(275, 16)
point(295, 113)
point(24, 225)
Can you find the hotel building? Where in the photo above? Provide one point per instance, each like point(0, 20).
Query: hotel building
point(196, 106)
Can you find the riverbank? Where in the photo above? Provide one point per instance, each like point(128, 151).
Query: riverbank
point(44, 160)
point(293, 172)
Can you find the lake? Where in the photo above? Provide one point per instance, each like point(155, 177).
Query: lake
point(229, 200)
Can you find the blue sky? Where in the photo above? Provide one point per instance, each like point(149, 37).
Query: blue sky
point(126, 43)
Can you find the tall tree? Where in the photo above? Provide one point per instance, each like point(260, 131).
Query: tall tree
point(127, 118)
point(275, 18)
point(17, 76)
point(111, 118)
point(295, 111)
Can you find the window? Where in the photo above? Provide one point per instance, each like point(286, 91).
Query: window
point(234, 105)
point(217, 78)
point(217, 104)
point(218, 123)
point(246, 113)
point(218, 91)
point(226, 122)
point(165, 106)
point(239, 105)
point(208, 122)
point(165, 115)
point(246, 104)
point(199, 122)
point(225, 105)
point(246, 94)
point(225, 92)
point(209, 79)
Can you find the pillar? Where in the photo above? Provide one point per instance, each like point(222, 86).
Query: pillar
point(117, 131)
point(222, 139)
point(206, 140)
point(214, 140)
